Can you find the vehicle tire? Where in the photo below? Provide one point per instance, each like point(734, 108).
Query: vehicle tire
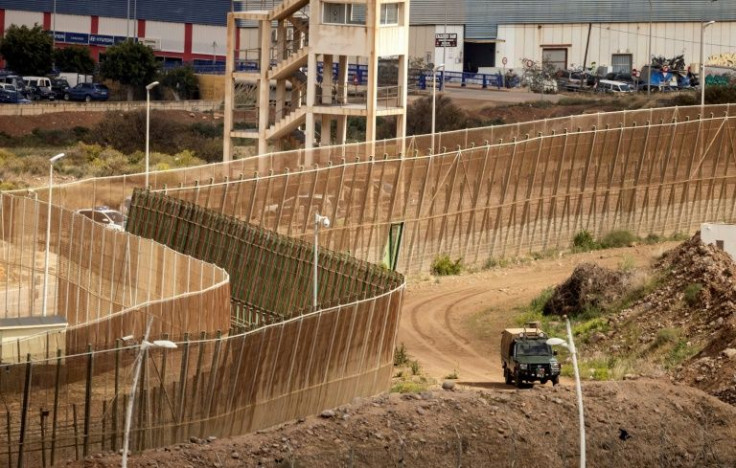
point(88, 98)
point(517, 380)
point(555, 380)
point(66, 96)
point(543, 381)
point(507, 376)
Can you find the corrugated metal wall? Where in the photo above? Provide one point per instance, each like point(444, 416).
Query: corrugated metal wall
point(481, 17)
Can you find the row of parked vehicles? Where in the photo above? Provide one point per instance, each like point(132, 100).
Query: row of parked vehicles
point(23, 89)
point(658, 81)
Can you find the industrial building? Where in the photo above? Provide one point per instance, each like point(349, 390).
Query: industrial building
point(465, 35)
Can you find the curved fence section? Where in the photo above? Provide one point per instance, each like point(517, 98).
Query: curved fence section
point(101, 284)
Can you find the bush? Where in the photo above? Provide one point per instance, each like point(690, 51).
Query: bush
point(666, 336)
point(692, 294)
point(444, 266)
point(401, 357)
point(415, 367)
point(584, 242)
point(616, 239)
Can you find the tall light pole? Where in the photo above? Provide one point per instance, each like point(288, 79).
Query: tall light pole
point(434, 98)
point(323, 221)
point(570, 345)
point(149, 87)
point(649, 53)
point(703, 27)
point(44, 299)
point(145, 344)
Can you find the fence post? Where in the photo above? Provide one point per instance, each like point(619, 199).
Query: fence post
point(24, 410)
point(87, 401)
point(54, 416)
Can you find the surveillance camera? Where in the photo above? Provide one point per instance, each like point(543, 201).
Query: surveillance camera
point(326, 222)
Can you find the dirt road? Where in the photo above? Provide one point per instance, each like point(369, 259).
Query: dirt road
point(454, 324)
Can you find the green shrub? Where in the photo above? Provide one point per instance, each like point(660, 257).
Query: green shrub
point(584, 242)
point(409, 387)
point(692, 294)
point(401, 357)
point(415, 367)
point(678, 354)
point(653, 239)
point(666, 336)
point(616, 239)
point(444, 266)
point(453, 375)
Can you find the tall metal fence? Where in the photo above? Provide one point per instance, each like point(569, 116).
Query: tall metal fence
point(280, 360)
point(502, 191)
point(271, 275)
point(101, 283)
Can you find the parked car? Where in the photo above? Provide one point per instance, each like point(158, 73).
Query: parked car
point(60, 87)
point(39, 87)
point(87, 92)
point(111, 219)
point(611, 86)
point(15, 80)
point(9, 94)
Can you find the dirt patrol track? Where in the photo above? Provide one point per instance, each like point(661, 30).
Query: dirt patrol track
point(437, 325)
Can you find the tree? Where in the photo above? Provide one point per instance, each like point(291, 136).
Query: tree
point(27, 51)
point(131, 64)
point(182, 82)
point(74, 59)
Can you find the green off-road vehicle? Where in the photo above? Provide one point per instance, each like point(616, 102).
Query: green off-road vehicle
point(527, 357)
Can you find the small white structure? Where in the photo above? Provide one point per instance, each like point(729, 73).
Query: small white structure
point(34, 335)
point(721, 235)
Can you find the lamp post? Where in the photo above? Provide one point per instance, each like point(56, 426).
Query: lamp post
point(323, 221)
point(703, 27)
point(434, 98)
point(149, 87)
point(145, 345)
point(649, 53)
point(44, 300)
point(570, 345)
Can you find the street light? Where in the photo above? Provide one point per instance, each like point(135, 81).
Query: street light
point(149, 87)
point(703, 27)
point(44, 301)
point(570, 344)
point(323, 221)
point(145, 345)
point(649, 53)
point(434, 98)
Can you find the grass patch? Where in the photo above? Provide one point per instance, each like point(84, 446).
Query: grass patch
point(444, 266)
point(692, 294)
point(615, 239)
point(409, 386)
point(584, 242)
point(415, 367)
point(665, 336)
point(453, 375)
point(679, 353)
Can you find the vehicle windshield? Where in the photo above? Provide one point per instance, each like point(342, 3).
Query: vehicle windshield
point(116, 217)
point(624, 87)
point(532, 348)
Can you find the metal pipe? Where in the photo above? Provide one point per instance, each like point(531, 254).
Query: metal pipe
point(44, 300)
point(703, 27)
point(434, 99)
point(649, 53)
point(578, 389)
point(149, 87)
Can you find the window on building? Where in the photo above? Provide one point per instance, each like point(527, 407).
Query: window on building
point(556, 58)
point(390, 13)
point(342, 13)
point(621, 63)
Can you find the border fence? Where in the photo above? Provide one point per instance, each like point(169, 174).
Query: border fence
point(503, 191)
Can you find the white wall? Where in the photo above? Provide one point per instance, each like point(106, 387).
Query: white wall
point(204, 36)
point(171, 35)
point(518, 42)
point(114, 26)
point(452, 57)
point(712, 232)
point(72, 23)
point(20, 18)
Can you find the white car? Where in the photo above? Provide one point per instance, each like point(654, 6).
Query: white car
point(111, 219)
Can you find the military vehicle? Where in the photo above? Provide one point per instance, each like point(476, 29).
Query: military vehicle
point(527, 357)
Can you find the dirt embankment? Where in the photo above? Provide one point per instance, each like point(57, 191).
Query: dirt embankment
point(531, 428)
